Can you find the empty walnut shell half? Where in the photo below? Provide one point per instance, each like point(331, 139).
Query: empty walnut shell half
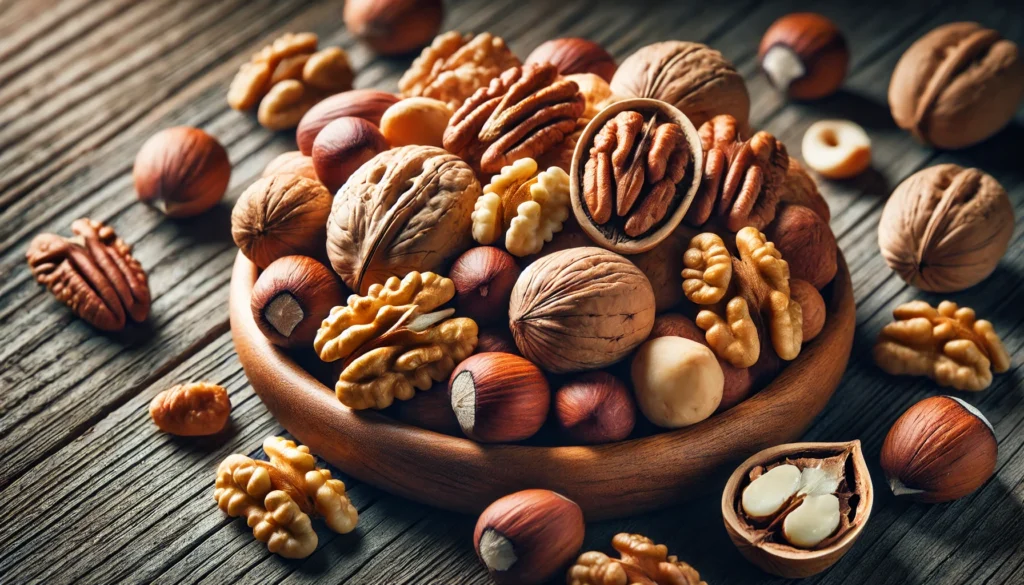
point(764, 525)
point(634, 173)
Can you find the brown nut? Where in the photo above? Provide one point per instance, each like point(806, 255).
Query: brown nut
point(694, 78)
point(431, 410)
point(677, 382)
point(957, 85)
point(285, 104)
point(281, 216)
point(837, 149)
point(574, 55)
point(191, 410)
point(663, 266)
point(407, 209)
point(328, 71)
point(281, 60)
point(807, 243)
point(181, 171)
point(343, 146)
point(595, 407)
point(368, 104)
point(580, 309)
point(945, 228)
point(641, 562)
point(394, 27)
point(291, 163)
point(805, 55)
point(799, 188)
point(939, 450)
point(498, 339)
point(93, 273)
point(597, 95)
point(524, 538)
point(499, 397)
point(484, 277)
point(454, 66)
point(415, 120)
point(812, 304)
point(291, 297)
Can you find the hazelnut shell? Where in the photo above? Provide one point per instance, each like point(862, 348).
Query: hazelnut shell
point(343, 146)
point(575, 55)
point(431, 410)
point(595, 407)
point(394, 27)
point(181, 171)
point(813, 305)
point(368, 104)
point(484, 277)
point(806, 242)
point(292, 297)
point(499, 397)
point(805, 55)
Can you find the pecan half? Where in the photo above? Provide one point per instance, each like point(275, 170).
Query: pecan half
point(525, 112)
point(93, 273)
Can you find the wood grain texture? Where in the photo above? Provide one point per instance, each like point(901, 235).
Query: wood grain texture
point(91, 493)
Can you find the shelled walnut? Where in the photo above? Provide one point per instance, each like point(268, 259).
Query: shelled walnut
point(640, 562)
point(277, 497)
point(454, 66)
point(949, 345)
point(394, 340)
point(190, 410)
point(93, 273)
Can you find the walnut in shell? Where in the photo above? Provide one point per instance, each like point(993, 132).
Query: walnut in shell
point(580, 309)
point(640, 562)
point(407, 209)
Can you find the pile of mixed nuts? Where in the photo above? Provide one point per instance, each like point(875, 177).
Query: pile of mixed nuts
point(506, 244)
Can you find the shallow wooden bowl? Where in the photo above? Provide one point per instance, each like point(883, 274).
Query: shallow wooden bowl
point(607, 481)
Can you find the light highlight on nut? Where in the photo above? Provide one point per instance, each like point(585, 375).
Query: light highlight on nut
point(837, 149)
point(812, 521)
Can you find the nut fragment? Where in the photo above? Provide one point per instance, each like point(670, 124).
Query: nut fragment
point(93, 273)
point(454, 66)
point(416, 120)
point(811, 304)
point(805, 55)
point(597, 95)
point(837, 149)
point(277, 497)
point(181, 171)
point(575, 55)
point(948, 344)
point(394, 27)
point(191, 410)
point(641, 562)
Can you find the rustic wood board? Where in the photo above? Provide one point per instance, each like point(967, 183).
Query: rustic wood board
point(90, 493)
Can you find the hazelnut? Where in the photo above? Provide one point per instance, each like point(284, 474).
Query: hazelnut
point(595, 407)
point(939, 450)
point(415, 120)
point(291, 297)
point(575, 55)
point(812, 304)
point(500, 340)
point(837, 149)
point(191, 410)
point(291, 163)
point(368, 104)
point(597, 95)
point(431, 410)
point(394, 27)
point(181, 171)
point(281, 216)
point(806, 242)
point(805, 55)
point(678, 382)
point(945, 228)
point(663, 266)
point(499, 397)
point(526, 537)
point(484, 277)
point(343, 146)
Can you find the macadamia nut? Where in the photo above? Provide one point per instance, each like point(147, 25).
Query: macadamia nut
point(678, 382)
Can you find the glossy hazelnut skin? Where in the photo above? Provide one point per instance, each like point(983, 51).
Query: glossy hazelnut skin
point(814, 53)
point(181, 171)
point(292, 297)
point(431, 410)
point(525, 538)
point(807, 244)
point(484, 277)
point(575, 55)
point(394, 27)
point(595, 407)
point(497, 339)
point(813, 306)
point(499, 397)
point(368, 104)
point(342, 147)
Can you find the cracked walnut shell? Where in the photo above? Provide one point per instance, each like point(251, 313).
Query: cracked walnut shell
point(191, 410)
point(93, 273)
point(454, 66)
point(278, 497)
point(640, 562)
point(949, 345)
point(395, 340)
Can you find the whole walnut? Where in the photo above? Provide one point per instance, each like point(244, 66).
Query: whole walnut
point(281, 215)
point(945, 228)
point(580, 309)
point(407, 209)
point(957, 85)
point(691, 76)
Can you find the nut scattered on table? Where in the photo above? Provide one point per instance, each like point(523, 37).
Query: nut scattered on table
point(342, 147)
point(181, 171)
point(677, 382)
point(945, 228)
point(805, 55)
point(499, 397)
point(574, 55)
point(807, 242)
point(484, 277)
point(455, 65)
point(939, 450)
point(93, 273)
point(394, 27)
point(416, 120)
point(957, 85)
point(640, 562)
point(949, 345)
point(368, 104)
point(291, 297)
point(277, 497)
point(594, 407)
point(837, 149)
point(191, 410)
point(291, 163)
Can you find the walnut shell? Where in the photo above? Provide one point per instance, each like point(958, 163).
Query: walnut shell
point(945, 228)
point(690, 76)
point(580, 309)
point(407, 209)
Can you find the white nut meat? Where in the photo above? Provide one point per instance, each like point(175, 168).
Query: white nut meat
point(678, 382)
point(766, 495)
point(812, 521)
point(837, 149)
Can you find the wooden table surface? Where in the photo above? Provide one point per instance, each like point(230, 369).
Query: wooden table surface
point(90, 492)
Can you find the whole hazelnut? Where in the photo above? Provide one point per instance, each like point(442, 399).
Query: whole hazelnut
point(525, 538)
point(677, 382)
point(806, 242)
point(805, 55)
point(939, 450)
point(813, 306)
point(595, 407)
point(394, 27)
point(368, 104)
point(496, 339)
point(291, 163)
point(291, 298)
point(415, 120)
point(431, 410)
point(343, 146)
point(575, 55)
point(484, 277)
point(499, 397)
point(181, 171)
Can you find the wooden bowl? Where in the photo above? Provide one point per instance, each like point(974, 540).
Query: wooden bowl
point(607, 481)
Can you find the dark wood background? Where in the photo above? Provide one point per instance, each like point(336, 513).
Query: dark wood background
point(90, 492)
